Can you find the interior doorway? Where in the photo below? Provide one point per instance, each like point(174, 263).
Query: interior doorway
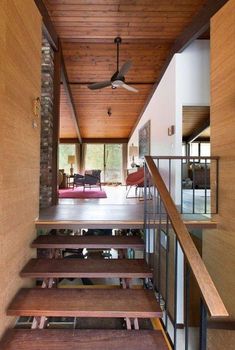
point(107, 158)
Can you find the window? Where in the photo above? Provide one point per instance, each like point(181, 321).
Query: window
point(205, 149)
point(194, 149)
point(200, 149)
point(66, 150)
point(107, 158)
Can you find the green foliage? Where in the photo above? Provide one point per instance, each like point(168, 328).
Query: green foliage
point(98, 156)
point(108, 157)
point(66, 150)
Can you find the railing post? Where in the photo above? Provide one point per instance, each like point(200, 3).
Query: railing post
point(194, 263)
point(187, 298)
point(145, 207)
point(205, 211)
point(167, 272)
point(159, 253)
point(203, 326)
point(181, 184)
point(193, 185)
point(175, 291)
point(217, 186)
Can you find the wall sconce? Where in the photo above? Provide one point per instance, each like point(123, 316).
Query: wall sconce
point(36, 111)
point(171, 130)
point(109, 111)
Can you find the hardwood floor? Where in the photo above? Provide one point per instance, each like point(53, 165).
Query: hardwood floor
point(115, 211)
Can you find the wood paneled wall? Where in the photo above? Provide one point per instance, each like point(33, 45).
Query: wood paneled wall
point(20, 66)
point(219, 245)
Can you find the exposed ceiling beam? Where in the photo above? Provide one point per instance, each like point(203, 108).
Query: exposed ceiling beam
point(203, 139)
point(126, 41)
point(64, 77)
point(52, 37)
point(198, 26)
point(197, 132)
point(129, 83)
point(69, 140)
point(95, 140)
point(105, 140)
point(48, 28)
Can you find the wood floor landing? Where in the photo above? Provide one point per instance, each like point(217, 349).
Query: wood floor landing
point(61, 339)
point(105, 216)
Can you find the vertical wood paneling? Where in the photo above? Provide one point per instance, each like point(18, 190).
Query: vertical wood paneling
point(219, 245)
point(20, 62)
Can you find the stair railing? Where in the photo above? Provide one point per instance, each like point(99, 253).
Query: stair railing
point(178, 268)
point(192, 182)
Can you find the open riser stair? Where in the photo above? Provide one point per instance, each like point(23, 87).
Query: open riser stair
point(48, 300)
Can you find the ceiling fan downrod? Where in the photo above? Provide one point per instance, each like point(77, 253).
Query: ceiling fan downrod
point(118, 41)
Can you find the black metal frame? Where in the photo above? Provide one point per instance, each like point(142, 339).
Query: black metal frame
point(157, 220)
point(193, 161)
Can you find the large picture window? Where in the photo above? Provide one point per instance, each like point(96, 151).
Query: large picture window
point(66, 150)
point(107, 158)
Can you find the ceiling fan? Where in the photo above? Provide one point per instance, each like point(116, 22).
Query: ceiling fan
point(118, 79)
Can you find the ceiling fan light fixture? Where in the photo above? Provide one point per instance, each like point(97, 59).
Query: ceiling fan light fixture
point(117, 83)
point(118, 78)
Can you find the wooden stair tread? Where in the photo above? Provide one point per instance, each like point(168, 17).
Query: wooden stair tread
point(85, 303)
point(90, 268)
point(70, 339)
point(76, 242)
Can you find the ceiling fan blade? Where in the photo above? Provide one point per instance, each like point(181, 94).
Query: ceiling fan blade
point(125, 68)
point(129, 88)
point(100, 85)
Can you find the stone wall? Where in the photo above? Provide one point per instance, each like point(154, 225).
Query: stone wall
point(46, 125)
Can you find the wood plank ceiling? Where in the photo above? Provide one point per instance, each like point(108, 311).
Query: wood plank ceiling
point(193, 118)
point(87, 29)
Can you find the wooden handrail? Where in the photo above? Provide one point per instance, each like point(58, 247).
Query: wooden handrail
point(210, 295)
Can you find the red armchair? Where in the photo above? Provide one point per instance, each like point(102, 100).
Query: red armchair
point(135, 179)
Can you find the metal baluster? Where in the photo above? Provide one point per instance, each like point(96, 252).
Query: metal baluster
point(170, 176)
point(175, 291)
point(181, 207)
point(205, 186)
point(149, 224)
point(193, 185)
point(159, 253)
point(203, 326)
point(167, 270)
point(187, 299)
point(145, 207)
point(154, 230)
point(217, 186)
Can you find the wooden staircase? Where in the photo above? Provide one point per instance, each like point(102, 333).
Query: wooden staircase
point(125, 302)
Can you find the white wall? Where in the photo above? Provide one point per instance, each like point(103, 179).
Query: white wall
point(161, 112)
point(185, 82)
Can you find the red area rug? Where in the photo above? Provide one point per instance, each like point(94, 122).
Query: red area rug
point(79, 193)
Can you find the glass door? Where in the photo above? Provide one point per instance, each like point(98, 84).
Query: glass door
point(107, 158)
point(113, 163)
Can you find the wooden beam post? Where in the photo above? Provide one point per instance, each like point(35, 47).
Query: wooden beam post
point(68, 92)
point(198, 26)
point(48, 27)
point(198, 131)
